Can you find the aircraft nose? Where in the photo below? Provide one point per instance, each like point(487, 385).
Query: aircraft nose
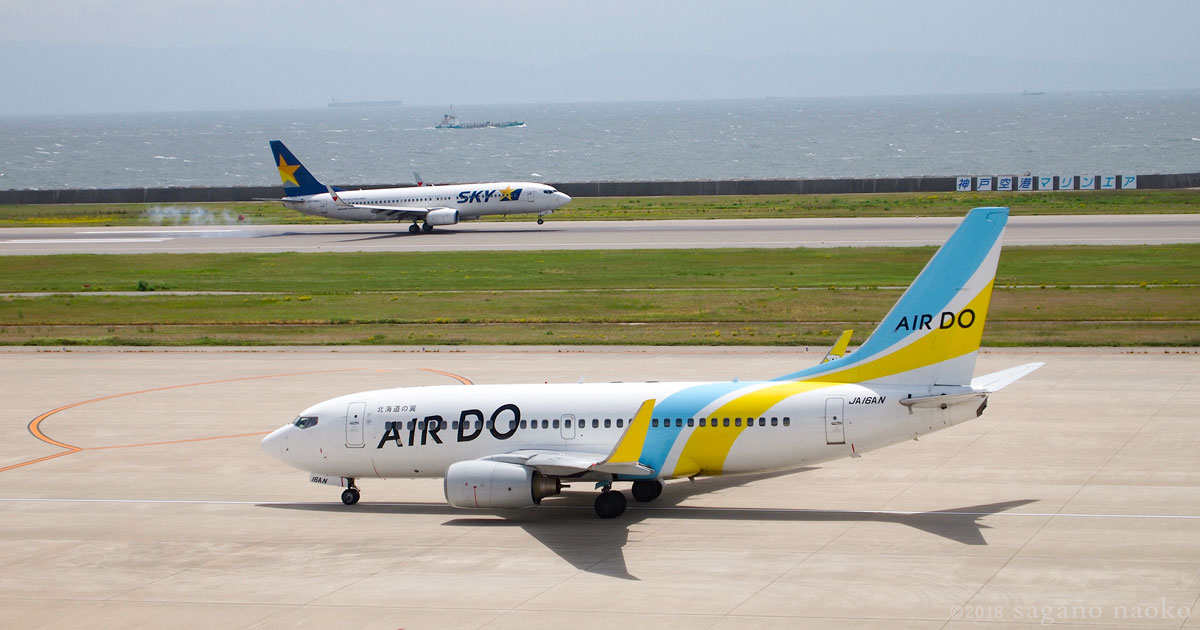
point(563, 198)
point(273, 444)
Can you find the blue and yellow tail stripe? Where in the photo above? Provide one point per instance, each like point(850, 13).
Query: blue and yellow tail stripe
point(957, 279)
point(968, 257)
point(297, 181)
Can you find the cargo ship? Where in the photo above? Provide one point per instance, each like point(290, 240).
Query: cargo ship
point(450, 121)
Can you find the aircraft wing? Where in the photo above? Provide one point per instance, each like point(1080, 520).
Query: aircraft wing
point(397, 212)
point(623, 460)
point(566, 463)
point(391, 212)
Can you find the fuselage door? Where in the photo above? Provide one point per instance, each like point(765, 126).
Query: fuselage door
point(531, 195)
point(835, 421)
point(568, 427)
point(354, 424)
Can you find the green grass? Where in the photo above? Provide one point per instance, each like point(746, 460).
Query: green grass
point(326, 273)
point(643, 208)
point(882, 205)
point(1078, 295)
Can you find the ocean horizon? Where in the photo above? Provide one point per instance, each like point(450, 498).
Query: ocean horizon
point(1133, 132)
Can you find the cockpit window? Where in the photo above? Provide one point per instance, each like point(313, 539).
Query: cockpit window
point(549, 191)
point(304, 422)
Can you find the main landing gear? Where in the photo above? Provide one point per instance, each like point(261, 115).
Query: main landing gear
point(417, 228)
point(645, 491)
point(350, 495)
point(611, 503)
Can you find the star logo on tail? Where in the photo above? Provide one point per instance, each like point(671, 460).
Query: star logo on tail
point(287, 172)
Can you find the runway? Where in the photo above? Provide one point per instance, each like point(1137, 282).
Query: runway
point(133, 493)
point(565, 234)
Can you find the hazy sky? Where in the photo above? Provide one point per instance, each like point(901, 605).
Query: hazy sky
point(220, 54)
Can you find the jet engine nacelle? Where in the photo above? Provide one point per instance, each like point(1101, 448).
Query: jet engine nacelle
point(484, 484)
point(443, 216)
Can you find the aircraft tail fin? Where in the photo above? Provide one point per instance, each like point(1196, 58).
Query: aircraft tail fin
point(297, 181)
point(931, 336)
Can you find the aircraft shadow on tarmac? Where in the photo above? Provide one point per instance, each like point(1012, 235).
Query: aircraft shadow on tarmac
point(568, 526)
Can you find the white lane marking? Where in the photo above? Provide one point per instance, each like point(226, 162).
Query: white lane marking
point(60, 241)
point(641, 508)
point(176, 231)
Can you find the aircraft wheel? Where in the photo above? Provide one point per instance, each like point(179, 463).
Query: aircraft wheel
point(414, 229)
point(350, 496)
point(645, 491)
point(540, 221)
point(426, 228)
point(610, 504)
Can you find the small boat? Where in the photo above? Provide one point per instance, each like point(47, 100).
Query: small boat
point(450, 121)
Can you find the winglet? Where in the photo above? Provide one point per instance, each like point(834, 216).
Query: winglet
point(629, 447)
point(336, 199)
point(839, 346)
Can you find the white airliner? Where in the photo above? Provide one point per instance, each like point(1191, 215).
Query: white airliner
point(431, 205)
point(509, 446)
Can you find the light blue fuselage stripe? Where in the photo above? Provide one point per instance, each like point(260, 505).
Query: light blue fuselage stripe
point(936, 286)
point(682, 404)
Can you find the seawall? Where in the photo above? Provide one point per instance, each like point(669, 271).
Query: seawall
point(574, 189)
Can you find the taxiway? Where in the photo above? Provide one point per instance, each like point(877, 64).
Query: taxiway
point(133, 493)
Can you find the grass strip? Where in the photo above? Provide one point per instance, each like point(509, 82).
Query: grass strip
point(646, 208)
point(328, 273)
point(1073, 295)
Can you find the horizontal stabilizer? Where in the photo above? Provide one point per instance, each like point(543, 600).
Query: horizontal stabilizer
point(997, 381)
point(942, 402)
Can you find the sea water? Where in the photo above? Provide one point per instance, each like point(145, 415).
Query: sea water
point(1052, 133)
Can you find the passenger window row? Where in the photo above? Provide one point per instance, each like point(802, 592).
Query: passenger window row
point(568, 423)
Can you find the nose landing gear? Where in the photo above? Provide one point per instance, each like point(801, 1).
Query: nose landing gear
point(350, 495)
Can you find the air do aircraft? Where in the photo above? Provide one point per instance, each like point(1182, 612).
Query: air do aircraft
point(510, 446)
point(431, 205)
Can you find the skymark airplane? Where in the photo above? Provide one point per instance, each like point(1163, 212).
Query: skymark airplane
point(510, 446)
point(431, 205)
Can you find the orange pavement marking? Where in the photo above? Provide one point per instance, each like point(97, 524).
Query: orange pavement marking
point(461, 379)
point(36, 430)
